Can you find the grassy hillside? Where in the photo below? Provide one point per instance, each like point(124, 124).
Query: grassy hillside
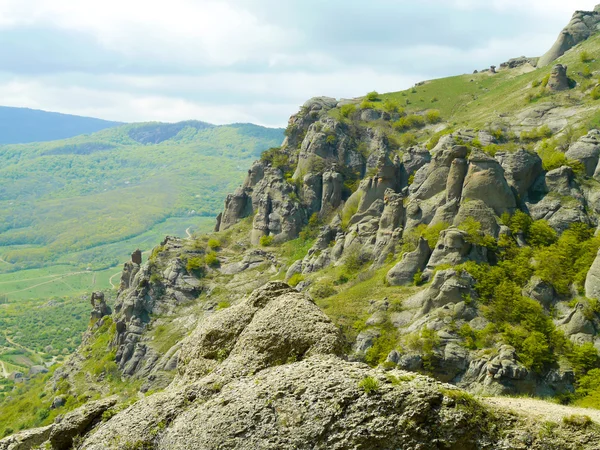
point(84, 203)
point(488, 100)
point(21, 125)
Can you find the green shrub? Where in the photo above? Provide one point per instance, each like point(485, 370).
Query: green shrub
point(392, 106)
point(435, 139)
point(195, 265)
point(432, 233)
point(577, 421)
point(348, 111)
point(276, 157)
point(372, 96)
point(585, 57)
point(295, 279)
point(323, 290)
point(214, 244)
point(266, 241)
point(212, 260)
point(366, 104)
point(331, 139)
point(536, 134)
point(584, 358)
point(474, 234)
point(520, 222)
point(541, 234)
point(408, 140)
point(408, 122)
point(223, 305)
point(369, 384)
point(586, 72)
point(545, 80)
point(595, 94)
point(433, 116)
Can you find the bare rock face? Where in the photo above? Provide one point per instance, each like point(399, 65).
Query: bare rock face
point(592, 281)
point(60, 435)
point(333, 183)
point(587, 151)
point(237, 206)
point(485, 181)
point(582, 26)
point(521, 169)
point(136, 257)
point(100, 308)
point(274, 324)
point(404, 272)
point(559, 81)
point(27, 439)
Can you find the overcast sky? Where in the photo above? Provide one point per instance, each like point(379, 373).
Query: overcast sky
point(251, 60)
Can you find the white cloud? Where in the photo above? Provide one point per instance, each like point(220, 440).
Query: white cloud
point(556, 8)
point(228, 60)
point(208, 30)
point(270, 98)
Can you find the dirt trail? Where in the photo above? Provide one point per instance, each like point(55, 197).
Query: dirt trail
point(187, 231)
point(111, 278)
point(546, 411)
point(5, 373)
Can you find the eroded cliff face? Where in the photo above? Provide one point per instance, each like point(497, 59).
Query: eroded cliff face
point(245, 360)
point(581, 27)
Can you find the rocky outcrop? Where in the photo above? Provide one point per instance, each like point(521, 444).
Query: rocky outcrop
point(521, 169)
point(453, 248)
point(581, 27)
point(513, 63)
point(559, 81)
point(61, 434)
point(404, 272)
point(150, 291)
point(592, 280)
point(100, 308)
point(485, 181)
point(587, 151)
point(275, 324)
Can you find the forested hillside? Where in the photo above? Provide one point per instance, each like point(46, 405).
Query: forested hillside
point(71, 202)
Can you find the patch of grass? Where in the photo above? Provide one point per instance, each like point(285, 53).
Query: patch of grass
point(369, 384)
point(266, 241)
point(577, 421)
point(295, 279)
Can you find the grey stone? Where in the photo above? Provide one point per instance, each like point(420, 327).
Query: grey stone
point(559, 81)
point(404, 272)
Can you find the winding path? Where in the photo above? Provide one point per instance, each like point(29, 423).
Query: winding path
point(187, 231)
point(541, 409)
point(110, 280)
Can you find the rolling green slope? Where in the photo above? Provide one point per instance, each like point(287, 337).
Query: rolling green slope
point(85, 202)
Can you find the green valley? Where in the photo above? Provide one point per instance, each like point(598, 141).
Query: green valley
point(74, 209)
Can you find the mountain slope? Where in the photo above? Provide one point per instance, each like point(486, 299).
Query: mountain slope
point(23, 125)
point(453, 237)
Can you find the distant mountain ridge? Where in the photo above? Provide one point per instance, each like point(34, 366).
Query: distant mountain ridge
point(24, 125)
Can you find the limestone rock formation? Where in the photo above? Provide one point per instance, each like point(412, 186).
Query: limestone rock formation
point(581, 27)
point(592, 281)
point(587, 151)
point(100, 308)
point(559, 81)
point(404, 272)
point(60, 435)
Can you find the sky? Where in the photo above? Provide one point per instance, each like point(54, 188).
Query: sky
point(253, 61)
